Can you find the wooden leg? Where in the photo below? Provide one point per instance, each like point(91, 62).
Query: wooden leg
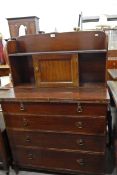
point(16, 168)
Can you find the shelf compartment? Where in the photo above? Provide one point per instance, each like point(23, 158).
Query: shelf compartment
point(22, 70)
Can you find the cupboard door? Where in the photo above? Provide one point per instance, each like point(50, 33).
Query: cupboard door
point(53, 70)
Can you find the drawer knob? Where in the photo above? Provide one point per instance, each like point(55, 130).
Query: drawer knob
point(79, 108)
point(28, 139)
point(80, 142)
point(21, 107)
point(30, 156)
point(80, 162)
point(79, 125)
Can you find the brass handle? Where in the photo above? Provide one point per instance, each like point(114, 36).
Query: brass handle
point(30, 156)
point(28, 139)
point(36, 69)
point(80, 162)
point(25, 122)
point(79, 125)
point(114, 64)
point(79, 108)
point(80, 142)
point(21, 107)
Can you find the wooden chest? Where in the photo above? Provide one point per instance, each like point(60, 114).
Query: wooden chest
point(56, 113)
point(58, 136)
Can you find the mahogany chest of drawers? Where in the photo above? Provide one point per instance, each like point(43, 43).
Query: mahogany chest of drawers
point(56, 112)
point(58, 136)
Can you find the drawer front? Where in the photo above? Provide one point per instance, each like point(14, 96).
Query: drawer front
point(95, 125)
point(57, 140)
point(55, 108)
point(59, 160)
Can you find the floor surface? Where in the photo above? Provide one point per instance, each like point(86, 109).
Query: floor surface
point(33, 173)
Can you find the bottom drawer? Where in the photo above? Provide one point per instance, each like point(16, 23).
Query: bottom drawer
point(59, 160)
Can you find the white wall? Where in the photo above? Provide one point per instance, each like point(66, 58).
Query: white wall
point(59, 14)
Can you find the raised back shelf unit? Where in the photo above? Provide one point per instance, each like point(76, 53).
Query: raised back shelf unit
point(58, 59)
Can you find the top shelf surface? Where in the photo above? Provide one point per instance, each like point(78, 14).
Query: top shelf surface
point(59, 52)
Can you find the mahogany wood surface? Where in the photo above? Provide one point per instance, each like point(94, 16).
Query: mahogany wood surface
point(48, 139)
point(60, 160)
point(58, 59)
point(55, 108)
point(58, 123)
point(56, 70)
point(96, 94)
point(68, 41)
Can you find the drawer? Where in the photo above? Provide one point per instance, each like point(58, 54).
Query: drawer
point(93, 125)
point(59, 160)
point(45, 108)
point(57, 140)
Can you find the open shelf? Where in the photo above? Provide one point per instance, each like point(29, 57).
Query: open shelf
point(65, 60)
point(22, 70)
point(59, 52)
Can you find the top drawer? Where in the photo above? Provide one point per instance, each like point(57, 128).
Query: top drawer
point(54, 108)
